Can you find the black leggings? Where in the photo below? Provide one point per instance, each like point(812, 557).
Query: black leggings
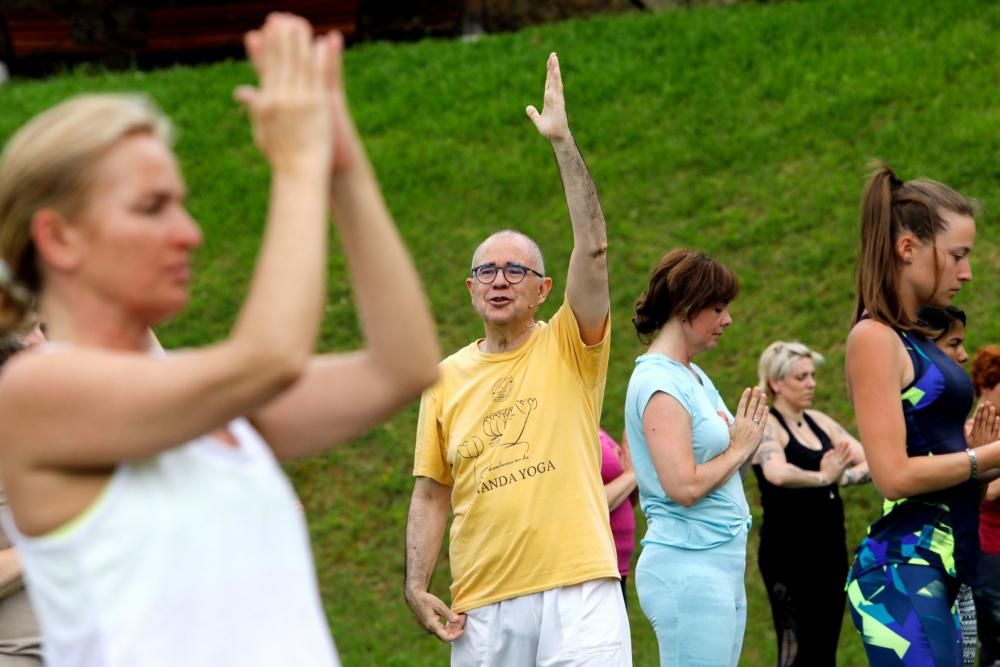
point(807, 605)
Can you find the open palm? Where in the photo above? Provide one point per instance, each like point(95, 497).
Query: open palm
point(552, 123)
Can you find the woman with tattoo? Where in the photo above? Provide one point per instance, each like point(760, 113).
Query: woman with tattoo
point(804, 456)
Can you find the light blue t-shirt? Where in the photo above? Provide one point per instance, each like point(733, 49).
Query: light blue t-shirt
point(722, 514)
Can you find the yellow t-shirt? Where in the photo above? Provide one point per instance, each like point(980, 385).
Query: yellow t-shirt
point(515, 435)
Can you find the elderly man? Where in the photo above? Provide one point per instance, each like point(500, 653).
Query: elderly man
point(507, 442)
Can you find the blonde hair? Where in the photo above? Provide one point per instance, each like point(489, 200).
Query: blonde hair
point(777, 359)
point(49, 163)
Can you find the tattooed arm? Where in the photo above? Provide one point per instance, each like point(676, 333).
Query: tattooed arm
point(857, 466)
point(778, 471)
point(587, 282)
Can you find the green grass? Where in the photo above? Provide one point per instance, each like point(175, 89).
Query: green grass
point(741, 131)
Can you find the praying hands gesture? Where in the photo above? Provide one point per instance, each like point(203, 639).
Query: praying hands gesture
point(290, 108)
point(747, 429)
point(984, 426)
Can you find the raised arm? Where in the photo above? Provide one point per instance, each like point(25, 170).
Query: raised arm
point(425, 525)
point(587, 281)
point(876, 368)
point(667, 426)
point(114, 406)
point(344, 395)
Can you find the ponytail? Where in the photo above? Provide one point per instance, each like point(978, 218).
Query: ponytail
point(891, 207)
point(877, 269)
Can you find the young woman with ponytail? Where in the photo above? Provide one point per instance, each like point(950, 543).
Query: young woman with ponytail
point(911, 401)
point(687, 450)
point(150, 514)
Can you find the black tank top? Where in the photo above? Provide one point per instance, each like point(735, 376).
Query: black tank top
point(812, 510)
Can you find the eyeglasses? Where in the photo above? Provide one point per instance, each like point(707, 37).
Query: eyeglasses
point(512, 273)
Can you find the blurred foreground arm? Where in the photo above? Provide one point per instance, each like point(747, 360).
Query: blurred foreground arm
point(343, 395)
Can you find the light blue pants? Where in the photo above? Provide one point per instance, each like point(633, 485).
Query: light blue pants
point(696, 602)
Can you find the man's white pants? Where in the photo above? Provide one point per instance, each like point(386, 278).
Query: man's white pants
point(585, 625)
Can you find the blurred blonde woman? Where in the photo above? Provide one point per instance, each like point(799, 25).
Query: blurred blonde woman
point(150, 513)
point(803, 458)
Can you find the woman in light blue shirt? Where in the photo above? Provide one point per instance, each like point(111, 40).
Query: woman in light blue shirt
point(687, 449)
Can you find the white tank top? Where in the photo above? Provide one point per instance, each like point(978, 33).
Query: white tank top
point(198, 556)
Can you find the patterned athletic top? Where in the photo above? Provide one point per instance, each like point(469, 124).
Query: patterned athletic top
point(937, 529)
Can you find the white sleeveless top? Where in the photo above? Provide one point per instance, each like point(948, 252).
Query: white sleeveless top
point(198, 556)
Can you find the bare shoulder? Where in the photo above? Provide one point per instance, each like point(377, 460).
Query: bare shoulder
point(773, 432)
point(27, 372)
point(867, 334)
point(33, 385)
point(819, 416)
point(874, 348)
point(822, 418)
point(22, 380)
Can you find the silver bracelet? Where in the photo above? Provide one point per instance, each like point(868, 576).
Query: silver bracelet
point(973, 464)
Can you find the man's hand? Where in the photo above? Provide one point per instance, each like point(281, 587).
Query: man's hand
point(552, 123)
point(435, 615)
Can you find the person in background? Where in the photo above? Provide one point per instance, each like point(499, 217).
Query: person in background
point(506, 444)
point(804, 457)
point(986, 591)
point(618, 476)
point(949, 326)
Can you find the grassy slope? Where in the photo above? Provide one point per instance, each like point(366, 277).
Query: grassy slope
point(742, 131)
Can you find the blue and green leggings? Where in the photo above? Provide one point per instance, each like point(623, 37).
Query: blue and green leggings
point(906, 616)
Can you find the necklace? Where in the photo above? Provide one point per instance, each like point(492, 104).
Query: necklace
point(798, 422)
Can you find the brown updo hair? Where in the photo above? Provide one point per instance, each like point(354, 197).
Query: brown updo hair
point(986, 368)
point(890, 208)
point(49, 163)
point(683, 283)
